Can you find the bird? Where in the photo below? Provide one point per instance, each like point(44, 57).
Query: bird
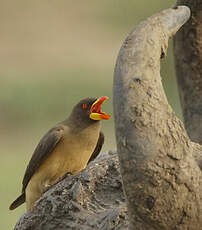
point(66, 148)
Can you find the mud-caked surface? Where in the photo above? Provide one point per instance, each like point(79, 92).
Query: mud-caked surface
point(93, 199)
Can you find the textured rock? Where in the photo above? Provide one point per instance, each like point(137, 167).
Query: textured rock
point(93, 199)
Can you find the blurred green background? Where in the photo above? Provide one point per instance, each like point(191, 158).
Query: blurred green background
point(52, 54)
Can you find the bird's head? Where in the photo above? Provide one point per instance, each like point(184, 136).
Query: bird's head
point(90, 109)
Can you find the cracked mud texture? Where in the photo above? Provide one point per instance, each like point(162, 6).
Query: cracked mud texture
point(93, 199)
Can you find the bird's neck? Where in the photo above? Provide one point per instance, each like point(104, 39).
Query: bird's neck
point(78, 125)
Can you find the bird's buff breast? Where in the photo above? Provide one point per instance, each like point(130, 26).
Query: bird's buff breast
point(70, 155)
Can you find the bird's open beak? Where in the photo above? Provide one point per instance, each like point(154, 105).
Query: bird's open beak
point(95, 110)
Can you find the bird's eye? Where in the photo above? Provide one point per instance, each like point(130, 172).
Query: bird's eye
point(84, 106)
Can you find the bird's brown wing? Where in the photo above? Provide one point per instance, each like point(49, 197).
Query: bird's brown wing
point(46, 145)
point(98, 147)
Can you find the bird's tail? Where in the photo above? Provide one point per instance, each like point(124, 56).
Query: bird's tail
point(20, 200)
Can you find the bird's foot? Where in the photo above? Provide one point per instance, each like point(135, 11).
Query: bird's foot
point(64, 176)
point(47, 186)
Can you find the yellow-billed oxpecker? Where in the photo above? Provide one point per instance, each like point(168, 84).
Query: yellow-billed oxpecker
point(66, 148)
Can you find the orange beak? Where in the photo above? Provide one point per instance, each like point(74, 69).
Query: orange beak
point(95, 110)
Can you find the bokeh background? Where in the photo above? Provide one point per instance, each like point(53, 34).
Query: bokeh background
point(52, 54)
